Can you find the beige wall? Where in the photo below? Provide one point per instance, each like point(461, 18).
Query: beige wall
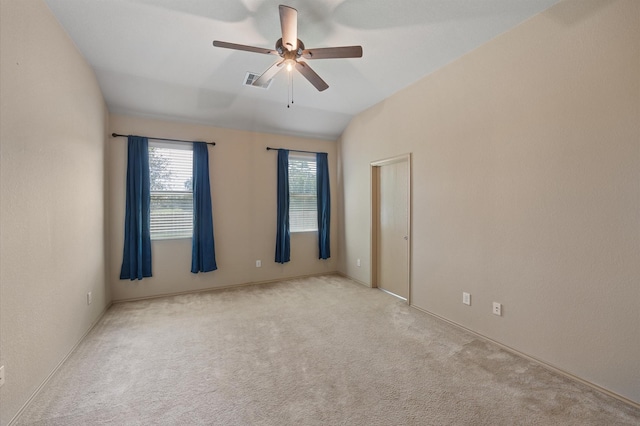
point(243, 185)
point(526, 174)
point(53, 125)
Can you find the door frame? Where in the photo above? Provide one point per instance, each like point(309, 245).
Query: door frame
point(375, 217)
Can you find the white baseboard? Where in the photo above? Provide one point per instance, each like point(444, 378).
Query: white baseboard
point(226, 287)
point(507, 348)
point(536, 360)
point(57, 367)
point(342, 274)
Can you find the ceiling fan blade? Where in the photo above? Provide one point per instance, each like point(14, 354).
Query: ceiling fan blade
point(235, 46)
point(268, 74)
point(311, 75)
point(333, 52)
point(289, 25)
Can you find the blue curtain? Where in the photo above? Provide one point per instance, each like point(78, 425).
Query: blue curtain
point(324, 205)
point(203, 254)
point(136, 257)
point(283, 237)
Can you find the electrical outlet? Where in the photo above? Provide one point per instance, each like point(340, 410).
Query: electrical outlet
point(2, 375)
point(89, 298)
point(358, 263)
point(497, 309)
point(258, 263)
point(466, 298)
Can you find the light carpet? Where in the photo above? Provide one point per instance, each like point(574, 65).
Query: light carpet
point(313, 351)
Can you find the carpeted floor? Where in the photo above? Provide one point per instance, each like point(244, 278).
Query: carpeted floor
point(314, 351)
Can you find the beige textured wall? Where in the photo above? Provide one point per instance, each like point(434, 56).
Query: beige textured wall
point(526, 189)
point(53, 125)
point(243, 185)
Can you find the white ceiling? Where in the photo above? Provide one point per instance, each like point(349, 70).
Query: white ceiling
point(155, 58)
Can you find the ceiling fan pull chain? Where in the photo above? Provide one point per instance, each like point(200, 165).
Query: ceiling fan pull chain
point(290, 90)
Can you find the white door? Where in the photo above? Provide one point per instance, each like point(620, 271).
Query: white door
point(393, 228)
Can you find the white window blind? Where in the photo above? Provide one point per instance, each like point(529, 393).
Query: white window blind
point(303, 207)
point(171, 179)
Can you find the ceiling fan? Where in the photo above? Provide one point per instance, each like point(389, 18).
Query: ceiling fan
point(290, 48)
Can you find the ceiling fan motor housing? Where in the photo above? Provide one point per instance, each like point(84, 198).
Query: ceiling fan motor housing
point(282, 51)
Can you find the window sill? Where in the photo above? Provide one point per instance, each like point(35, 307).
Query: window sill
point(170, 239)
point(304, 231)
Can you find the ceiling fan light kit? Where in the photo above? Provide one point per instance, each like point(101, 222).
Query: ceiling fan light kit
point(291, 50)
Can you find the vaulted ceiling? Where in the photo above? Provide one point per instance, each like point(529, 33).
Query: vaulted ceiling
point(155, 58)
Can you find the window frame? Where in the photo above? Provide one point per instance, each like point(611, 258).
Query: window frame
point(311, 159)
point(157, 235)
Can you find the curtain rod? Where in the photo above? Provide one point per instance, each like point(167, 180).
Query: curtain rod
point(294, 150)
point(115, 135)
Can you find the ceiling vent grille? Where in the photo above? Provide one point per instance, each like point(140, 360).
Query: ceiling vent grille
point(251, 77)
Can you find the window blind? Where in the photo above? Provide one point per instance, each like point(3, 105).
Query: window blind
point(303, 207)
point(171, 179)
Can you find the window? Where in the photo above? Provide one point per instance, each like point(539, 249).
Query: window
point(171, 180)
point(303, 207)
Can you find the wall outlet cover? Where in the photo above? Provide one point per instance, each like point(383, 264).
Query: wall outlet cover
point(466, 298)
point(497, 308)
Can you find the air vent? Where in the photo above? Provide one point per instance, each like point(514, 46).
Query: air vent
point(251, 77)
